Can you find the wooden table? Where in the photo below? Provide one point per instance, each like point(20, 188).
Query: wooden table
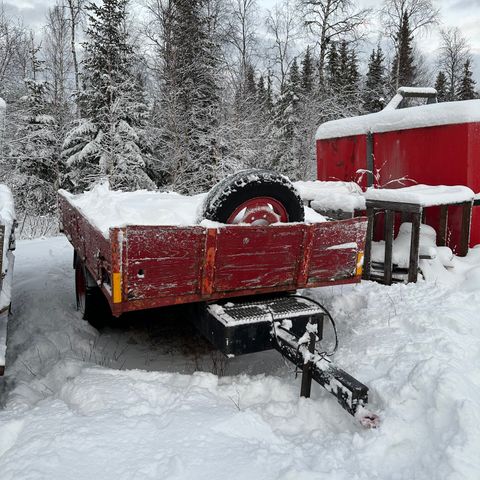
point(415, 213)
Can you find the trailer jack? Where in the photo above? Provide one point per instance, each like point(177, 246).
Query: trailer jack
point(293, 325)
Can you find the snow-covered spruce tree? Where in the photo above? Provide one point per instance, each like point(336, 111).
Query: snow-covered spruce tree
point(403, 67)
point(191, 153)
point(109, 141)
point(374, 88)
point(36, 173)
point(332, 68)
point(308, 72)
point(285, 159)
point(343, 72)
point(441, 87)
point(467, 83)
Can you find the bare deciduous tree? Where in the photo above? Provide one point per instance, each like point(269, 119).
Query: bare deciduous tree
point(454, 51)
point(241, 32)
point(75, 9)
point(282, 25)
point(330, 20)
point(58, 59)
point(12, 36)
point(421, 15)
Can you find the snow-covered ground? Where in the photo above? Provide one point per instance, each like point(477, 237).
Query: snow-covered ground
point(126, 403)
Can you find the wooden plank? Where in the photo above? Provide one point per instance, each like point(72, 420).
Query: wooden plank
point(307, 247)
point(163, 261)
point(368, 243)
point(397, 206)
point(465, 232)
point(443, 226)
point(335, 248)
point(255, 257)
point(208, 271)
point(414, 248)
point(389, 223)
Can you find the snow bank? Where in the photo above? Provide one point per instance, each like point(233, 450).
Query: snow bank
point(446, 113)
point(107, 208)
point(344, 196)
point(7, 218)
point(424, 195)
point(416, 346)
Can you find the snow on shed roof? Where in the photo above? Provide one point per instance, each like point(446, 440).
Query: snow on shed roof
point(424, 195)
point(388, 120)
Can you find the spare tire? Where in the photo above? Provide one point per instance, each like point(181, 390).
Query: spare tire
point(255, 196)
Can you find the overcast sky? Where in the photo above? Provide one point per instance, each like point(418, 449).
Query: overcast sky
point(464, 14)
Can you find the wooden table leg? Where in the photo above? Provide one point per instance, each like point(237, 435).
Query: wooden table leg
point(387, 268)
point(466, 222)
point(442, 226)
point(367, 259)
point(414, 247)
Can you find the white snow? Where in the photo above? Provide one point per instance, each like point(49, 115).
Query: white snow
point(403, 92)
point(7, 218)
point(417, 90)
point(424, 195)
point(107, 208)
point(387, 120)
point(439, 265)
point(416, 346)
point(324, 195)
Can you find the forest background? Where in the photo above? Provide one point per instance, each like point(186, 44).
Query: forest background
point(176, 94)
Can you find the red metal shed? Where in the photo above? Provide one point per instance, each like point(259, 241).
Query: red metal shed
point(435, 144)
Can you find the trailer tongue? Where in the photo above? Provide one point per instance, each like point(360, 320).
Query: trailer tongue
point(293, 325)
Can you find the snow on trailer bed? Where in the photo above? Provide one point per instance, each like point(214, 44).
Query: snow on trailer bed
point(107, 209)
point(140, 260)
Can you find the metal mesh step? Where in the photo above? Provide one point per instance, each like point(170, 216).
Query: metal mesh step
point(278, 308)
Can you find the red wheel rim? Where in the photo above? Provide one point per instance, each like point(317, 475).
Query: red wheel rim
point(259, 211)
point(80, 288)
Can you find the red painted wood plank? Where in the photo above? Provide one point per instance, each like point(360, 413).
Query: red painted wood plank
point(164, 261)
point(335, 247)
point(208, 273)
point(255, 257)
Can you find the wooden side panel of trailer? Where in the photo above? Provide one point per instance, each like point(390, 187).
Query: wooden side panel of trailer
point(141, 267)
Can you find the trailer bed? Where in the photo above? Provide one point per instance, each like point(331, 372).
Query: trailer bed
point(139, 267)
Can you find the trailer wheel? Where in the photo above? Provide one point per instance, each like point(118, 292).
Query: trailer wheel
point(91, 302)
point(257, 197)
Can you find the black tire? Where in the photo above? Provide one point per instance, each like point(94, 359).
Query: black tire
point(91, 302)
point(236, 189)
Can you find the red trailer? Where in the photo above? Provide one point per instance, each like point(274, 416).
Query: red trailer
point(258, 266)
point(434, 144)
